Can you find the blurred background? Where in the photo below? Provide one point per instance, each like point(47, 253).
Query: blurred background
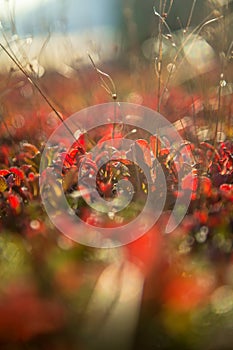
point(62, 32)
point(162, 291)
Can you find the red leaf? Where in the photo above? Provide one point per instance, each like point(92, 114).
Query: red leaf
point(14, 202)
point(143, 144)
point(17, 172)
point(155, 144)
point(4, 172)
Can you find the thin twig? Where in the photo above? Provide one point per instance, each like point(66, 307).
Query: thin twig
point(164, 6)
point(180, 23)
point(218, 115)
point(196, 31)
point(163, 21)
point(170, 7)
point(110, 90)
point(195, 120)
point(37, 87)
point(190, 15)
point(158, 65)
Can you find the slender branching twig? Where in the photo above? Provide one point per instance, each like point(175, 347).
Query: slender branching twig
point(111, 90)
